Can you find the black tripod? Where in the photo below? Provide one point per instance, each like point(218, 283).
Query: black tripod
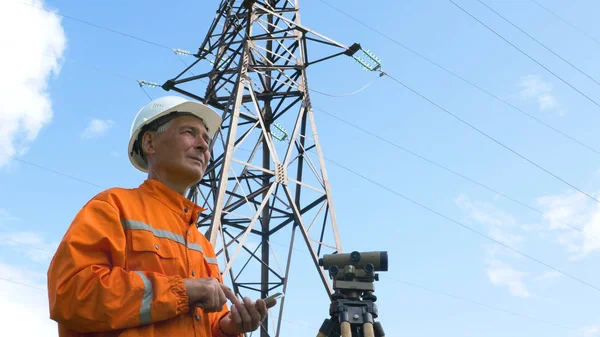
point(353, 310)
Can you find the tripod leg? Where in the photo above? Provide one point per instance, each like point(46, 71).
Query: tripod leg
point(378, 330)
point(368, 330)
point(327, 329)
point(368, 325)
point(346, 329)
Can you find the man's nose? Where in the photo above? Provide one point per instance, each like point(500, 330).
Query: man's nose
point(202, 145)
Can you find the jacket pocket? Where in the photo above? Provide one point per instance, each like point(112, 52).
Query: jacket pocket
point(151, 253)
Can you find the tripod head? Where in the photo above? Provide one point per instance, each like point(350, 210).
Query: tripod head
point(353, 310)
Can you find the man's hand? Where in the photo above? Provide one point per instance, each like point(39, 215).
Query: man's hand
point(245, 317)
point(208, 294)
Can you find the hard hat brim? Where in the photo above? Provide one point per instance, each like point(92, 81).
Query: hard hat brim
point(208, 115)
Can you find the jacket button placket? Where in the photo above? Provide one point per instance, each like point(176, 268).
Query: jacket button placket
point(188, 250)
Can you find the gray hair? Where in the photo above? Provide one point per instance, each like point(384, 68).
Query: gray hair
point(164, 127)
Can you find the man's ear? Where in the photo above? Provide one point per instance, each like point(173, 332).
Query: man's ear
point(148, 143)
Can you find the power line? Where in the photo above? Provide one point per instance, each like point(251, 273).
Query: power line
point(492, 138)
point(369, 133)
point(171, 49)
point(463, 176)
point(393, 279)
point(145, 92)
point(567, 22)
point(391, 39)
point(54, 171)
point(478, 87)
point(541, 44)
point(95, 25)
point(480, 304)
point(25, 245)
point(393, 78)
point(366, 131)
point(143, 40)
point(463, 225)
point(524, 53)
point(492, 239)
point(21, 283)
point(457, 297)
point(452, 171)
point(535, 164)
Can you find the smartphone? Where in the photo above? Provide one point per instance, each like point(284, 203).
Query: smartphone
point(272, 298)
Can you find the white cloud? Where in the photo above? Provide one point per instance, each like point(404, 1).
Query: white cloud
point(96, 128)
point(5, 217)
point(590, 331)
point(24, 303)
point(547, 276)
point(32, 244)
point(578, 211)
point(23, 290)
point(485, 213)
point(498, 224)
point(34, 42)
point(501, 274)
point(533, 87)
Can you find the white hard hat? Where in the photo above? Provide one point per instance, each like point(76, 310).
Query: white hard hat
point(162, 107)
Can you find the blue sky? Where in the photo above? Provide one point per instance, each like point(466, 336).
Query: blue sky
point(72, 116)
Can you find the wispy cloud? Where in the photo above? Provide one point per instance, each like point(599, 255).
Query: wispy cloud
point(23, 291)
point(547, 276)
point(501, 274)
point(31, 244)
point(499, 225)
point(96, 128)
point(24, 303)
point(590, 331)
point(35, 54)
point(533, 87)
point(6, 217)
point(578, 211)
point(485, 213)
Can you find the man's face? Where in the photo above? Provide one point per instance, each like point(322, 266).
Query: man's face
point(181, 151)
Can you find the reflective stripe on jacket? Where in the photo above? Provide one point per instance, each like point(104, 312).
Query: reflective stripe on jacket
point(119, 269)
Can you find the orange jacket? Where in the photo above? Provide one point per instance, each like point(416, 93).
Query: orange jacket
point(119, 269)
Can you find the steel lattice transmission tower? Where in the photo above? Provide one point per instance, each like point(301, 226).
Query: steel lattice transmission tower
point(264, 183)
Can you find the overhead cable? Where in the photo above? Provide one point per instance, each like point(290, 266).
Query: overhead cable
point(541, 44)
point(492, 138)
point(478, 87)
point(526, 54)
point(461, 175)
point(179, 51)
point(456, 222)
point(567, 22)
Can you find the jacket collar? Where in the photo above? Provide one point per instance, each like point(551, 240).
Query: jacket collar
point(176, 202)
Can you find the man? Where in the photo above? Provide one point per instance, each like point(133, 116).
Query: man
point(132, 262)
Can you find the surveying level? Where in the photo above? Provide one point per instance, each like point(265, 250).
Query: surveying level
point(353, 310)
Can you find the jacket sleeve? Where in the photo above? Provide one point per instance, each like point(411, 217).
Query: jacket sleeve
point(216, 330)
point(216, 317)
point(89, 287)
